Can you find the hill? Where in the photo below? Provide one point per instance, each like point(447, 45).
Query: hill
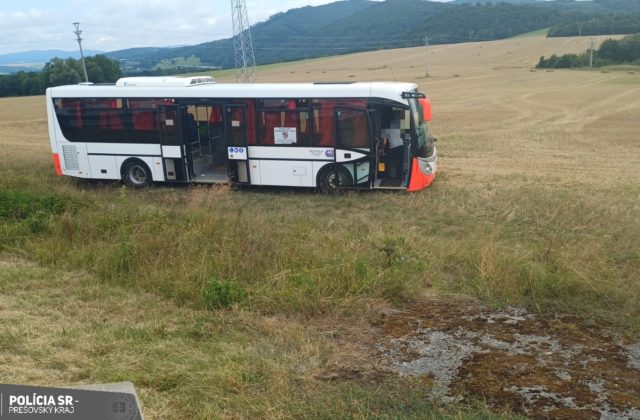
point(362, 25)
point(35, 60)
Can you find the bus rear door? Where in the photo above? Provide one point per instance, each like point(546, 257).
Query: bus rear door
point(235, 124)
point(174, 156)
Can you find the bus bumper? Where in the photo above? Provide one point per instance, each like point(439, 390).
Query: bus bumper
point(423, 172)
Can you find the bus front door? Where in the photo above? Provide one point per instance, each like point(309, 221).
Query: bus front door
point(353, 148)
point(174, 157)
point(235, 124)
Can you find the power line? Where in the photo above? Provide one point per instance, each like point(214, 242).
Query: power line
point(426, 44)
point(84, 66)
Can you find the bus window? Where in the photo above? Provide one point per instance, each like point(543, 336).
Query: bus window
point(236, 126)
point(323, 127)
point(251, 118)
point(290, 104)
point(285, 128)
point(103, 120)
point(148, 103)
point(143, 123)
point(69, 115)
point(169, 124)
point(352, 129)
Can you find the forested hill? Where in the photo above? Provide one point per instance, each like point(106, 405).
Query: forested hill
point(362, 25)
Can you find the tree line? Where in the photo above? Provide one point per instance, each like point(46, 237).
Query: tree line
point(624, 51)
point(57, 72)
point(609, 24)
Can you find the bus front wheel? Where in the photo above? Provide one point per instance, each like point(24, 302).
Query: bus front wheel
point(136, 174)
point(330, 179)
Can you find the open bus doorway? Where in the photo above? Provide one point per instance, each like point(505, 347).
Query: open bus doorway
point(204, 138)
point(393, 146)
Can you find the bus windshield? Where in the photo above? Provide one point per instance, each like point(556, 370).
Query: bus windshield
point(421, 125)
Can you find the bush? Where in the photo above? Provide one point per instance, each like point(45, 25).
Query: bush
point(218, 294)
point(20, 205)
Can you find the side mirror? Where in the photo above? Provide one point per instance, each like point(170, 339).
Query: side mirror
point(426, 108)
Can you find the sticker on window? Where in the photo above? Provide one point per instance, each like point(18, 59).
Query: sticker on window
point(169, 122)
point(235, 123)
point(284, 135)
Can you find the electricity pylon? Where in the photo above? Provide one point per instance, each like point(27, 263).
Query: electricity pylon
point(245, 60)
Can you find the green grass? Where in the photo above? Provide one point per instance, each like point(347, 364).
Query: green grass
point(538, 32)
point(206, 297)
point(179, 62)
point(66, 328)
point(299, 253)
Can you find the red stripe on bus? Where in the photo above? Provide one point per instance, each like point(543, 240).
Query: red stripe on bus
point(56, 164)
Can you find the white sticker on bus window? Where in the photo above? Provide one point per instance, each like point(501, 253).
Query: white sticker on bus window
point(169, 122)
point(235, 123)
point(284, 135)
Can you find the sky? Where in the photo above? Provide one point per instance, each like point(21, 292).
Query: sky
point(109, 25)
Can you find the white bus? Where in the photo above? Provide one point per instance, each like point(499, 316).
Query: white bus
point(192, 129)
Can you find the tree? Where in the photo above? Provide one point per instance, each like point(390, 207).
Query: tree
point(58, 72)
point(94, 72)
point(110, 69)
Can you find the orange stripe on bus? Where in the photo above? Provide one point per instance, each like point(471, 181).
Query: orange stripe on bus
point(56, 164)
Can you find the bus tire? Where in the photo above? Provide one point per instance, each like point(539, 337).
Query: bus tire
point(136, 174)
point(328, 176)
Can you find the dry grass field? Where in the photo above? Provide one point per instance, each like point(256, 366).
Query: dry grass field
point(268, 303)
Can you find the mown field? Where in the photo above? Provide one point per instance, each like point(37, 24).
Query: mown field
point(224, 303)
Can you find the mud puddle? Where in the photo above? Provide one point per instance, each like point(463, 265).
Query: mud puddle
point(536, 365)
point(540, 366)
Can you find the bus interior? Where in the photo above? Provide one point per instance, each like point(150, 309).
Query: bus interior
point(392, 125)
point(204, 136)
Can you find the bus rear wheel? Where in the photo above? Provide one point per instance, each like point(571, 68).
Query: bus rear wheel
point(136, 174)
point(330, 179)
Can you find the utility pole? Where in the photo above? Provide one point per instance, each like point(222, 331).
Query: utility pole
point(245, 60)
point(591, 55)
point(426, 44)
point(84, 66)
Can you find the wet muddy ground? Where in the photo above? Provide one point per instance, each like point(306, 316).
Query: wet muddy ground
point(540, 366)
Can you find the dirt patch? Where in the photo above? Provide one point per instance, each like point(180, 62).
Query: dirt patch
point(541, 366)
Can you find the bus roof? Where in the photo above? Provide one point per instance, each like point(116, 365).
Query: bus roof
point(387, 90)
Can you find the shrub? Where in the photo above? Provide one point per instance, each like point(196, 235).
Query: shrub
point(218, 294)
point(20, 205)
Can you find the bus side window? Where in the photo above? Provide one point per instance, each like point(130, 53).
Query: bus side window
point(284, 128)
point(269, 120)
point(323, 127)
point(352, 129)
point(236, 126)
point(68, 112)
point(143, 120)
point(102, 120)
point(169, 126)
point(251, 118)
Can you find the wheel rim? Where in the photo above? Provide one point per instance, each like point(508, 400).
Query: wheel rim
point(137, 175)
point(331, 180)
